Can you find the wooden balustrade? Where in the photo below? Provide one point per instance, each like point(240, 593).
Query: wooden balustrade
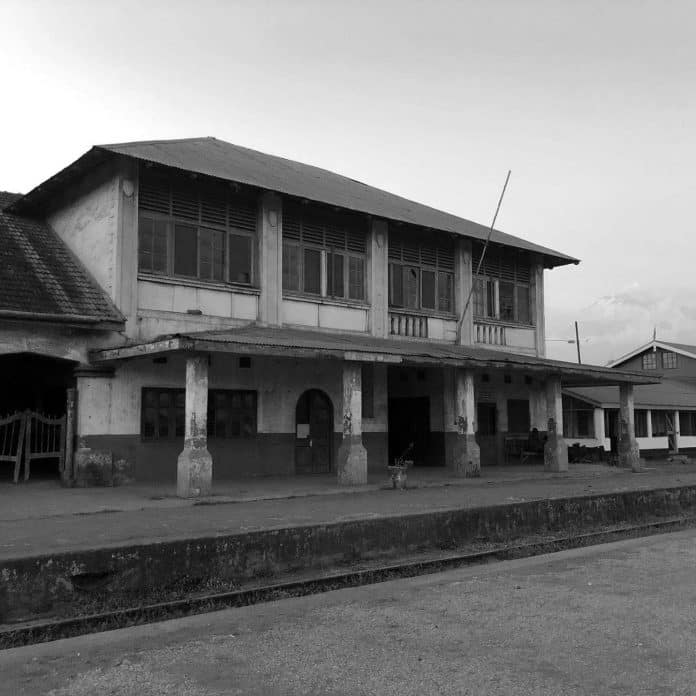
point(491, 334)
point(408, 325)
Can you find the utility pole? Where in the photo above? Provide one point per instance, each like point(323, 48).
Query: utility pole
point(577, 342)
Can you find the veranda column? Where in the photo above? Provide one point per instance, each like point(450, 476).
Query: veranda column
point(555, 450)
point(675, 433)
point(467, 455)
point(352, 455)
point(194, 473)
point(598, 421)
point(629, 453)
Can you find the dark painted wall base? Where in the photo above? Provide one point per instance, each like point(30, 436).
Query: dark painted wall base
point(267, 454)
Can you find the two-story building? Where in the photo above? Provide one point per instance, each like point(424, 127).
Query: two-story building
point(665, 413)
point(283, 319)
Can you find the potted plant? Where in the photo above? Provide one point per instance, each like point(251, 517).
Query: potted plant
point(397, 470)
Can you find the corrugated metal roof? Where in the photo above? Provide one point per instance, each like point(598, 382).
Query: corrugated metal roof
point(223, 160)
point(667, 394)
point(337, 345)
point(41, 279)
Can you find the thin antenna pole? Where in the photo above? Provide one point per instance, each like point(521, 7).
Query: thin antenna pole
point(577, 342)
point(483, 253)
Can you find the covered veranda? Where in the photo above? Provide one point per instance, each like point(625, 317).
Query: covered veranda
point(462, 368)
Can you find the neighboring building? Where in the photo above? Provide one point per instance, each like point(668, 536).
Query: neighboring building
point(282, 319)
point(665, 413)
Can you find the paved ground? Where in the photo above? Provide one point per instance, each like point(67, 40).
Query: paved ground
point(614, 619)
point(38, 533)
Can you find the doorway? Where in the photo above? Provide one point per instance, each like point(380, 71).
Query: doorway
point(313, 433)
point(409, 422)
point(487, 429)
point(36, 384)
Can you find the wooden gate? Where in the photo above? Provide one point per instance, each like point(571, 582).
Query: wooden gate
point(30, 435)
point(12, 429)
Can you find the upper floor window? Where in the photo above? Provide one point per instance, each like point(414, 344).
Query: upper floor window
point(502, 286)
point(324, 252)
point(649, 361)
point(192, 230)
point(421, 272)
point(669, 360)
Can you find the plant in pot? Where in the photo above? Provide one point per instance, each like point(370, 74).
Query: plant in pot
point(397, 470)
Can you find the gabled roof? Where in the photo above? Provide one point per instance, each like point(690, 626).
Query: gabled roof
point(304, 343)
point(681, 348)
point(222, 160)
point(667, 394)
point(40, 278)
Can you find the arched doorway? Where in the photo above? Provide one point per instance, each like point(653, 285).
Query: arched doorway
point(313, 433)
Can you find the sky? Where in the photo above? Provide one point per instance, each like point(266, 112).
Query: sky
point(591, 105)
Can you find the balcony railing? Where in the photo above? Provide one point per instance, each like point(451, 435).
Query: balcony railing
point(492, 334)
point(408, 325)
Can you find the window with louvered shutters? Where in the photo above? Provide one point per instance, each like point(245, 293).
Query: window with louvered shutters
point(195, 229)
point(421, 270)
point(324, 252)
point(502, 286)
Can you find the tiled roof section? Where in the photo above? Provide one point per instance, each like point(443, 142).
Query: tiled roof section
point(40, 277)
point(7, 198)
point(667, 394)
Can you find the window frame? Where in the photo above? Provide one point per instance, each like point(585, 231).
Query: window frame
point(228, 232)
point(330, 227)
point(420, 268)
point(672, 359)
point(649, 357)
point(175, 392)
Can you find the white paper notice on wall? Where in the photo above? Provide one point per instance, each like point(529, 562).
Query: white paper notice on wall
point(302, 431)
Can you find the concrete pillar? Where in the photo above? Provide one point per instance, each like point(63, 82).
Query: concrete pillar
point(194, 474)
point(463, 280)
point(352, 455)
point(675, 433)
point(461, 449)
point(648, 418)
point(378, 290)
point(598, 421)
point(629, 453)
point(270, 266)
point(125, 292)
point(555, 450)
point(537, 299)
point(537, 407)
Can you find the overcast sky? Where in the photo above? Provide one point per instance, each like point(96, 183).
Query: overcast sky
point(591, 105)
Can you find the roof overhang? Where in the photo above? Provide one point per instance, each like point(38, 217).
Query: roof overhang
point(312, 345)
point(293, 179)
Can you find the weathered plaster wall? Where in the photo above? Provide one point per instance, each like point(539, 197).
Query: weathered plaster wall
point(89, 225)
point(109, 413)
point(44, 339)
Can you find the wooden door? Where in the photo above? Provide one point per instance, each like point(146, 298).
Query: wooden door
point(313, 433)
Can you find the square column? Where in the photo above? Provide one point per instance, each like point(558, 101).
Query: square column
point(194, 474)
point(555, 449)
point(629, 453)
point(465, 452)
point(598, 422)
point(674, 449)
point(352, 455)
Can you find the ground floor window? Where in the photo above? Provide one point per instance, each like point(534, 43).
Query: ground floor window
point(641, 422)
point(659, 423)
point(231, 413)
point(687, 422)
